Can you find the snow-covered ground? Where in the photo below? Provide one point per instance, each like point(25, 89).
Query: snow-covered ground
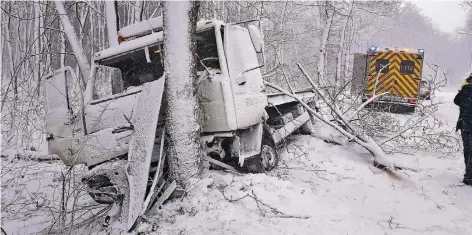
point(337, 188)
point(319, 188)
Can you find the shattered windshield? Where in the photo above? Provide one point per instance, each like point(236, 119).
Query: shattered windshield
point(207, 50)
point(136, 69)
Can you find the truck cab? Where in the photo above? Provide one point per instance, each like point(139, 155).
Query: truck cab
point(236, 117)
point(229, 85)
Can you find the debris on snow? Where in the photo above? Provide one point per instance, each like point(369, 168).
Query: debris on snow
point(11, 154)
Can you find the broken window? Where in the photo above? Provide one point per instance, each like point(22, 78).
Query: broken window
point(207, 49)
point(135, 69)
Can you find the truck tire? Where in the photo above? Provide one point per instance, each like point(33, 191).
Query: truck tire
point(267, 159)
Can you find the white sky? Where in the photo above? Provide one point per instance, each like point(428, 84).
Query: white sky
point(447, 14)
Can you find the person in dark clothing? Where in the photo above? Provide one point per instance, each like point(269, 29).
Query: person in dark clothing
point(464, 100)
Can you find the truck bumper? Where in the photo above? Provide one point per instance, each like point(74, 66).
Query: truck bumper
point(392, 107)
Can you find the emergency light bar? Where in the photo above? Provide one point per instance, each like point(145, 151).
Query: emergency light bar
point(374, 49)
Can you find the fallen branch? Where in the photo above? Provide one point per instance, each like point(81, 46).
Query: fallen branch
point(363, 140)
point(274, 210)
point(395, 135)
point(28, 155)
point(301, 169)
point(278, 213)
point(327, 139)
point(376, 151)
point(221, 164)
point(367, 102)
point(164, 196)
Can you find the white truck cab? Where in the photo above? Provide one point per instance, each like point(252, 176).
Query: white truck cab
point(240, 124)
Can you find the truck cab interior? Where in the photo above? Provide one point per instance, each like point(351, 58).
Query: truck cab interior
point(136, 70)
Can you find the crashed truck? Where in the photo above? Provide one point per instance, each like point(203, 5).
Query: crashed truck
point(119, 137)
point(394, 71)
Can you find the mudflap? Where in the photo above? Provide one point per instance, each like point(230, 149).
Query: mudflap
point(141, 146)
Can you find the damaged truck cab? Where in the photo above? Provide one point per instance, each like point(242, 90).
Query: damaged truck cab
point(240, 124)
point(230, 89)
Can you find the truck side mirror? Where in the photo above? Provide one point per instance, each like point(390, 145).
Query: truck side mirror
point(256, 38)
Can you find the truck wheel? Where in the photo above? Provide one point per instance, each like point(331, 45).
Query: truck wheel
point(267, 159)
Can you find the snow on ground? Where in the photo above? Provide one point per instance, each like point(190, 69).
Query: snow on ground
point(32, 191)
point(329, 189)
point(28, 192)
point(338, 188)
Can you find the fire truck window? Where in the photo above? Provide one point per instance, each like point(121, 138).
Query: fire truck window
point(380, 63)
point(207, 50)
point(407, 67)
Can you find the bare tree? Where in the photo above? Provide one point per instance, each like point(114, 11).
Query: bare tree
point(73, 41)
point(182, 121)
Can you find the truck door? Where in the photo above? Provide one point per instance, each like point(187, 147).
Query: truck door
point(246, 81)
point(380, 80)
point(410, 65)
point(60, 122)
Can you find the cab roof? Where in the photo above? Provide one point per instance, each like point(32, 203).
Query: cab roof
point(151, 39)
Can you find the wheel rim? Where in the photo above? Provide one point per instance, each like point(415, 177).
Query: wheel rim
point(268, 157)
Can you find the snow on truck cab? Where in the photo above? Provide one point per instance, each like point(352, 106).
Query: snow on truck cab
point(396, 72)
point(119, 136)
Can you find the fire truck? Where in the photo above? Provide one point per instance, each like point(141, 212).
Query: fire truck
point(391, 73)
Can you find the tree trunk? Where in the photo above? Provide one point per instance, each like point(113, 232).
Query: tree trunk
point(138, 11)
point(339, 59)
point(324, 41)
point(37, 45)
point(112, 29)
point(73, 41)
point(182, 122)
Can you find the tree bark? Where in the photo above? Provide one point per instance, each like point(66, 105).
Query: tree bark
point(182, 121)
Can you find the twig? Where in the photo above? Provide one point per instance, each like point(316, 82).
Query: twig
point(221, 164)
point(301, 169)
point(405, 129)
point(275, 210)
